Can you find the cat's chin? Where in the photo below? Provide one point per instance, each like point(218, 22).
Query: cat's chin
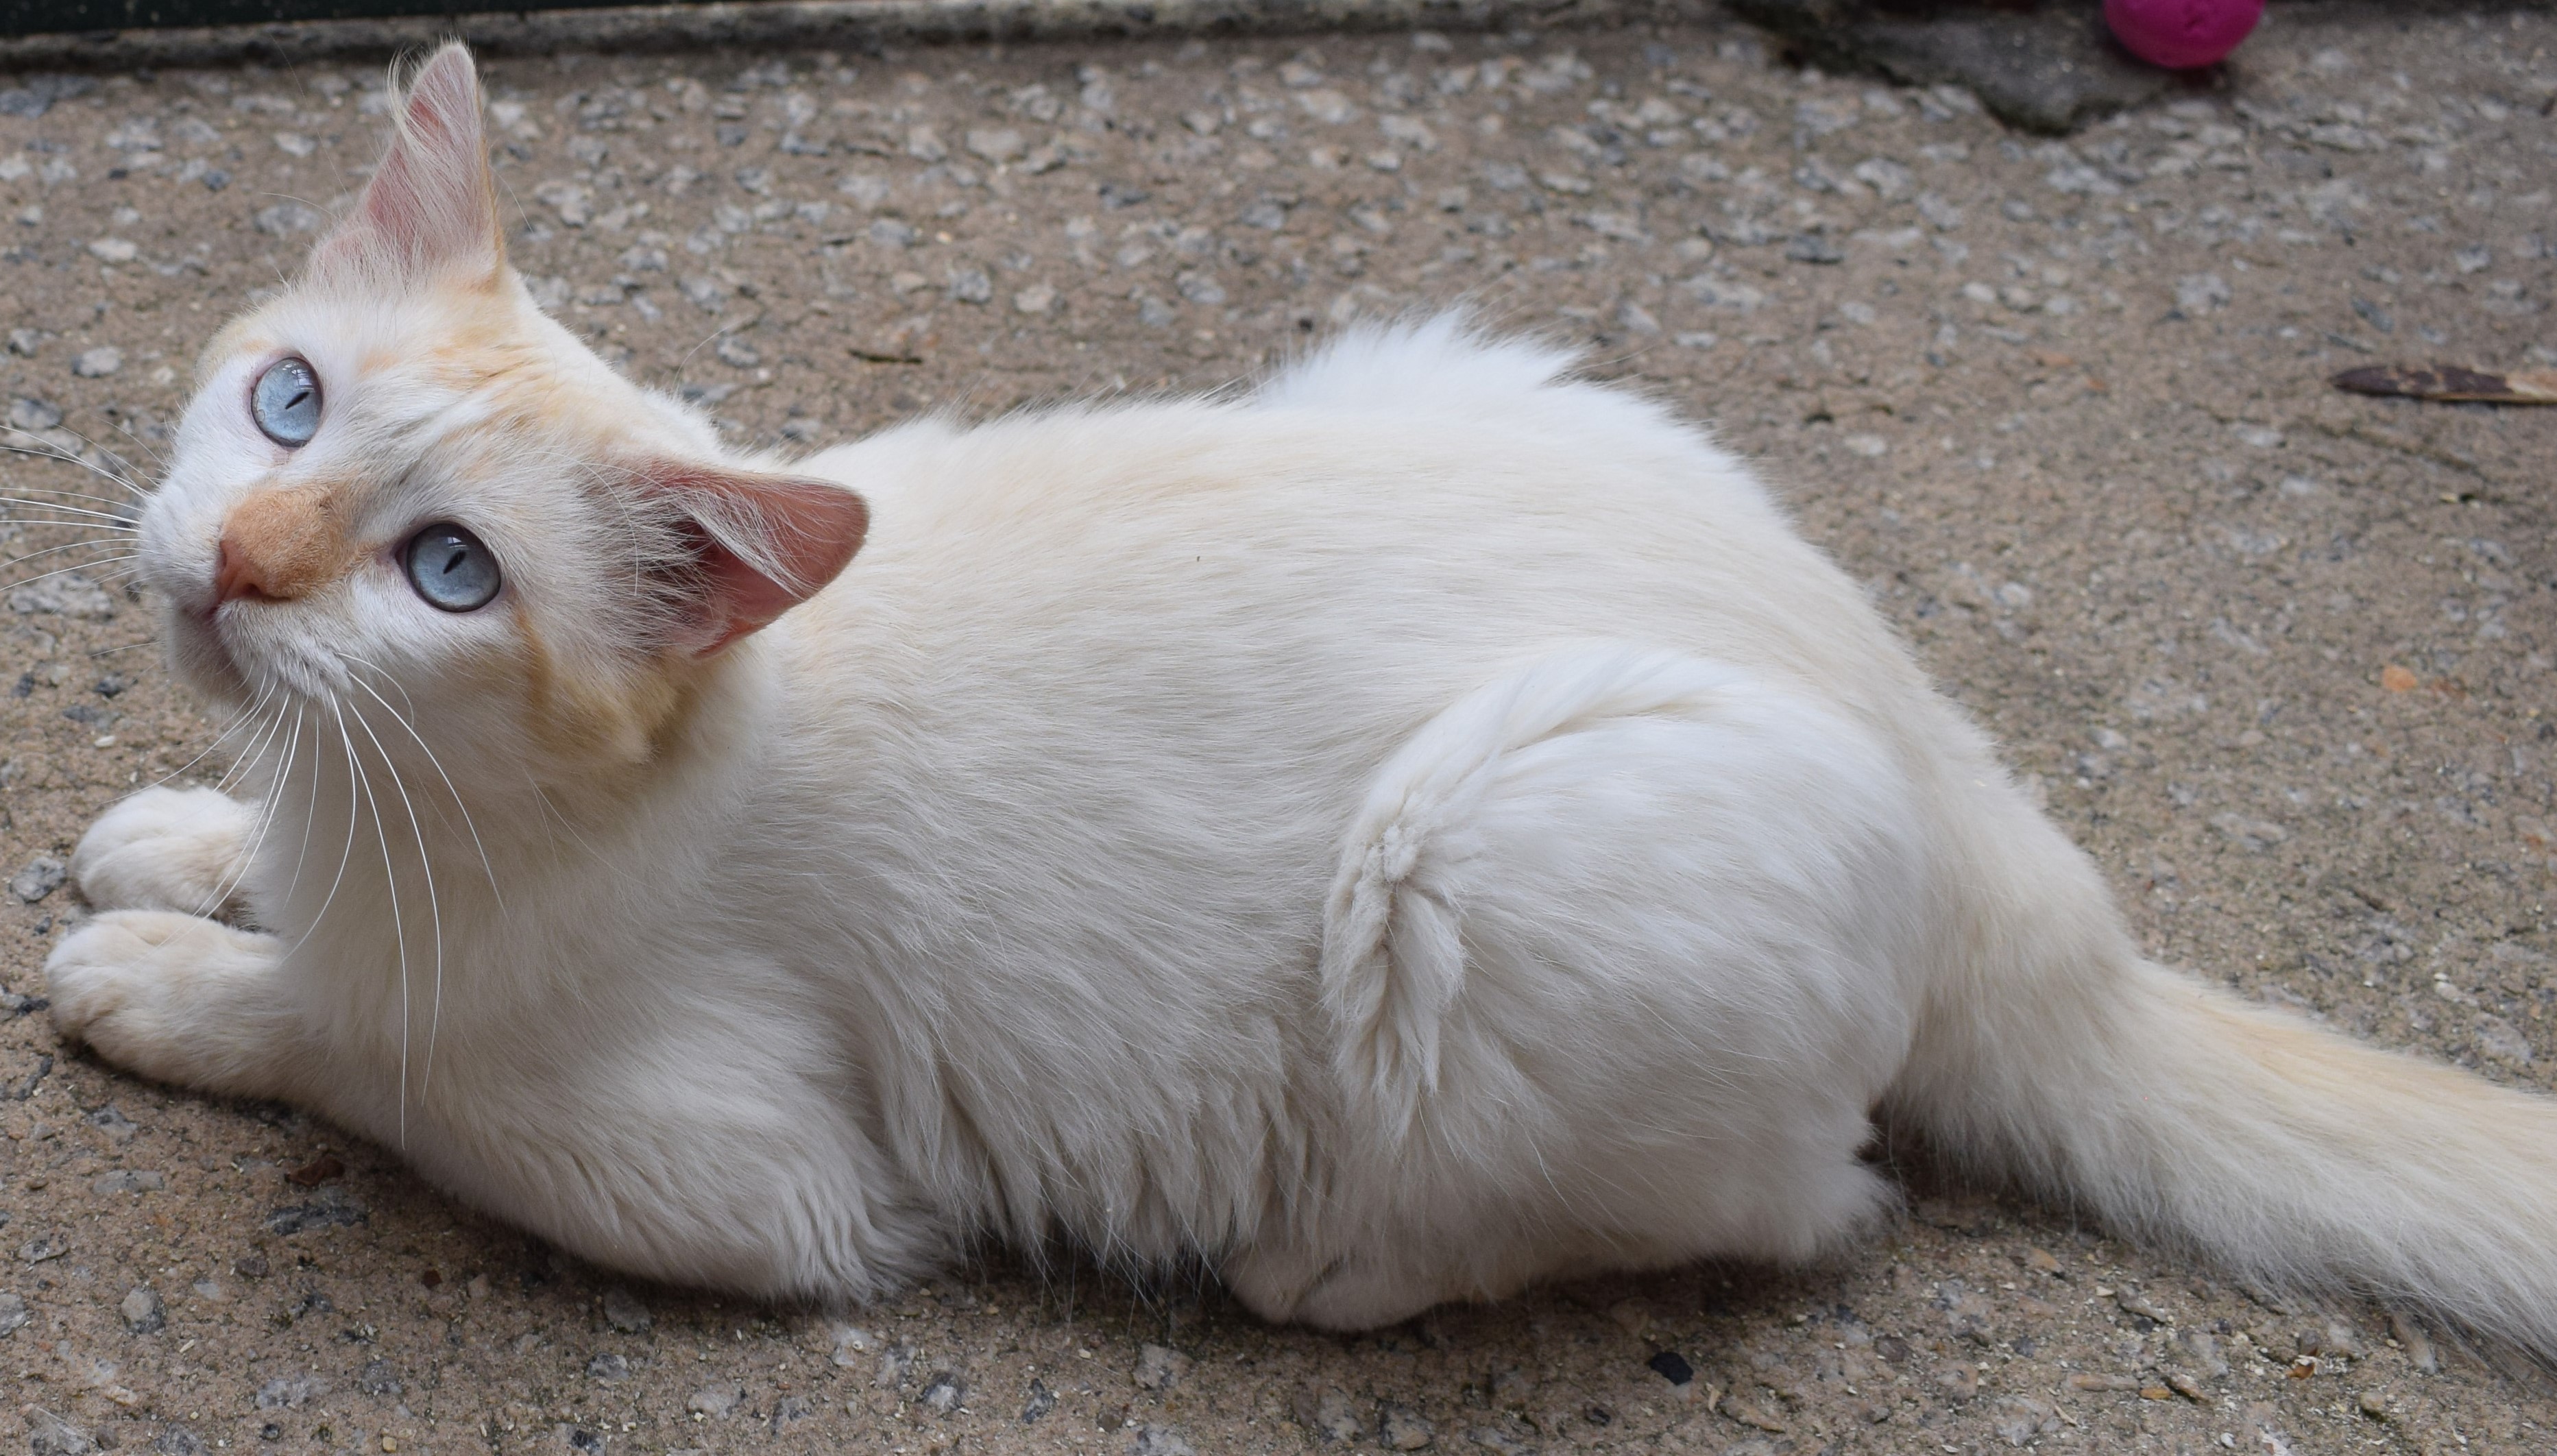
point(204, 662)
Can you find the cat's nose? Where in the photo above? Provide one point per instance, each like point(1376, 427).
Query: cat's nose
point(233, 575)
point(278, 545)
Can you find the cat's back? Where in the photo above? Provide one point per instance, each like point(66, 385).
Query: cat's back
point(1396, 517)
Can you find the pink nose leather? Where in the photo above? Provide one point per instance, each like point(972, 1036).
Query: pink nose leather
point(235, 575)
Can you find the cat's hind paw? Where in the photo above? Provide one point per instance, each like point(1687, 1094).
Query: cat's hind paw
point(165, 850)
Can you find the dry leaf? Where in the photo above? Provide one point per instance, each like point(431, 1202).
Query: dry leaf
point(316, 1172)
point(2450, 382)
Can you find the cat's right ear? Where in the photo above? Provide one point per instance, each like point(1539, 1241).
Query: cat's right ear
point(430, 208)
point(752, 547)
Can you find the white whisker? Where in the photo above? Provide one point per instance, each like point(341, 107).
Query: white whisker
point(49, 524)
point(108, 502)
point(266, 820)
point(549, 812)
point(434, 909)
point(126, 647)
point(123, 520)
point(310, 814)
point(400, 931)
point(593, 855)
point(78, 567)
point(52, 452)
point(72, 546)
point(256, 751)
point(245, 717)
point(403, 720)
point(49, 442)
point(91, 442)
point(220, 896)
point(135, 436)
point(347, 852)
point(46, 523)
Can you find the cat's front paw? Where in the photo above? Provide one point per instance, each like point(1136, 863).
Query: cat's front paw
point(165, 850)
point(174, 997)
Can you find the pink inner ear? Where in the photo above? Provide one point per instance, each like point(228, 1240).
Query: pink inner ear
point(810, 530)
point(432, 205)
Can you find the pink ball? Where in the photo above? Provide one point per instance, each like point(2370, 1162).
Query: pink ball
point(2182, 34)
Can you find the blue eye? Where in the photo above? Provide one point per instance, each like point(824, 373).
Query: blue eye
point(451, 569)
point(286, 402)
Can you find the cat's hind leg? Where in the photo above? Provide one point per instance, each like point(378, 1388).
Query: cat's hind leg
point(180, 998)
point(165, 849)
point(1621, 953)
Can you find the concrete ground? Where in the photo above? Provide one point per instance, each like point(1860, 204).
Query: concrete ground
point(2279, 657)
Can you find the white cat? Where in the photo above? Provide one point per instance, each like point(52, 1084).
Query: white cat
point(1424, 827)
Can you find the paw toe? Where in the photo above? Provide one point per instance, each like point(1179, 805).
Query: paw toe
point(82, 976)
point(111, 963)
point(163, 850)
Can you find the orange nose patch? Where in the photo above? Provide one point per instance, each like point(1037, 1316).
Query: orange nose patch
point(281, 544)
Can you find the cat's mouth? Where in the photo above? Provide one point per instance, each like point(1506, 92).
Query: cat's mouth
point(204, 656)
point(240, 655)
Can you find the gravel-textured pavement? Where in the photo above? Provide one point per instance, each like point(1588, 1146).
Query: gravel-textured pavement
point(2279, 657)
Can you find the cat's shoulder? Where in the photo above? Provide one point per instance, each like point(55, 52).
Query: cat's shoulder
point(1442, 361)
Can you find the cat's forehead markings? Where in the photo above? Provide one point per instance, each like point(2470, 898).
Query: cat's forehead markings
point(243, 336)
point(469, 357)
point(477, 323)
point(419, 377)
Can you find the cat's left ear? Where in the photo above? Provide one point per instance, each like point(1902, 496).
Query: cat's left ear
point(430, 208)
point(755, 545)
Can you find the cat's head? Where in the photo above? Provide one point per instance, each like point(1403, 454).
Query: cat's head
point(400, 481)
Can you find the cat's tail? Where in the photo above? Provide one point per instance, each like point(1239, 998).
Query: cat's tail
point(2052, 1053)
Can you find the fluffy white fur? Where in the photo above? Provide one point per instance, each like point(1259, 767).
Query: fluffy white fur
point(1422, 827)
